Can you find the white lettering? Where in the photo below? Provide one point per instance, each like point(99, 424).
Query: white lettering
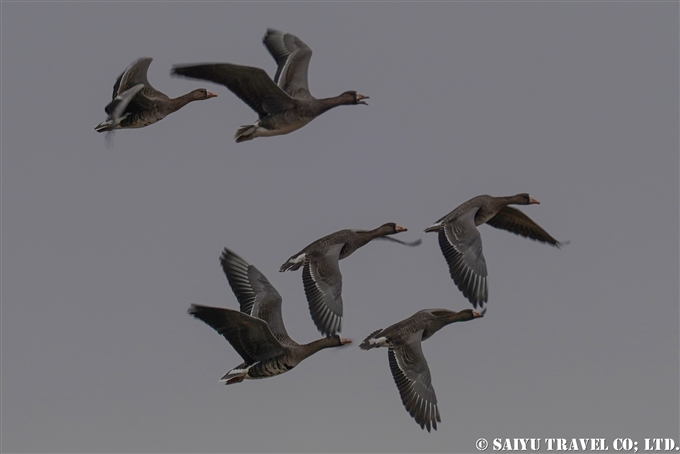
point(516, 444)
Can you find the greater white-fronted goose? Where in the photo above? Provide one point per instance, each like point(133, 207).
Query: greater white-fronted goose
point(407, 362)
point(283, 104)
point(461, 243)
point(321, 275)
point(137, 104)
point(256, 332)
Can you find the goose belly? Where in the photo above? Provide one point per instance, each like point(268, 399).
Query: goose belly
point(279, 126)
point(269, 368)
point(139, 121)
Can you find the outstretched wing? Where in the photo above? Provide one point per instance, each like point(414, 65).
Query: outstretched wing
point(255, 294)
point(133, 75)
point(250, 336)
point(412, 376)
point(252, 85)
point(513, 220)
point(461, 245)
point(322, 281)
point(292, 57)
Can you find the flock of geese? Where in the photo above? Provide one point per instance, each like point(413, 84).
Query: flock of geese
point(256, 331)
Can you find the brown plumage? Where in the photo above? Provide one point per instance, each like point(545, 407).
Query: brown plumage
point(256, 332)
point(408, 364)
point(136, 103)
point(283, 104)
point(321, 275)
point(461, 243)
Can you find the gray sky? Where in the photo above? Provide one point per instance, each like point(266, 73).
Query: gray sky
point(103, 250)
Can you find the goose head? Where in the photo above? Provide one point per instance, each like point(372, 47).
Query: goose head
point(525, 199)
point(355, 98)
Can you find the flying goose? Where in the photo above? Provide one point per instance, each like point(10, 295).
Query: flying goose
point(407, 362)
point(321, 275)
point(137, 104)
point(256, 332)
point(283, 104)
point(461, 243)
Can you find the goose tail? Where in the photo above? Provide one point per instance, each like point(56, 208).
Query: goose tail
point(236, 375)
point(293, 263)
point(245, 133)
point(374, 340)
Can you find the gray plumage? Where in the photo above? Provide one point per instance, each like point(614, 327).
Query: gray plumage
point(256, 331)
point(408, 364)
point(461, 243)
point(321, 275)
point(283, 104)
point(135, 103)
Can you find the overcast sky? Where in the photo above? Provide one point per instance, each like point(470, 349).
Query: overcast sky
point(104, 249)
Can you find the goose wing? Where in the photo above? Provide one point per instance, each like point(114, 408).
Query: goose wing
point(250, 336)
point(322, 281)
point(513, 220)
point(116, 108)
point(405, 243)
point(134, 75)
point(252, 85)
point(412, 377)
point(292, 58)
point(255, 294)
point(461, 245)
